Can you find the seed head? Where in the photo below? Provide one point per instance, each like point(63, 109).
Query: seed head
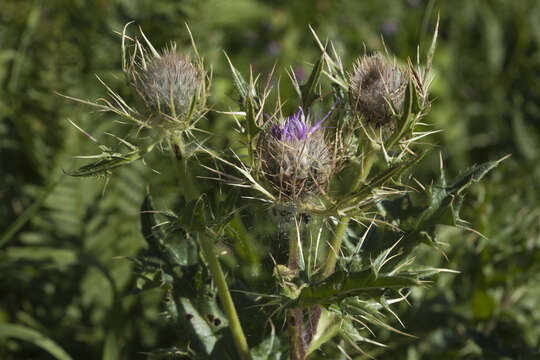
point(373, 84)
point(294, 156)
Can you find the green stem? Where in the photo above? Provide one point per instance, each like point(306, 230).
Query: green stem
point(295, 315)
point(343, 222)
point(208, 249)
point(293, 248)
point(187, 181)
point(333, 252)
point(182, 169)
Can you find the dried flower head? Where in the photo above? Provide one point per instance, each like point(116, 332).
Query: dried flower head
point(294, 156)
point(375, 83)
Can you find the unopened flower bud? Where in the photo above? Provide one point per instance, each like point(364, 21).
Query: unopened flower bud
point(294, 156)
point(168, 83)
point(375, 83)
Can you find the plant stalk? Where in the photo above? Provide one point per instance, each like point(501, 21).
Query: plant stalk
point(295, 315)
point(343, 222)
point(333, 252)
point(182, 170)
point(208, 249)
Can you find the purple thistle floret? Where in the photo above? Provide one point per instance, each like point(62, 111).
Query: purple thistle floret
point(297, 127)
point(294, 155)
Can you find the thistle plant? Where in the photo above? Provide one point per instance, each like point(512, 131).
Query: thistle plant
point(317, 280)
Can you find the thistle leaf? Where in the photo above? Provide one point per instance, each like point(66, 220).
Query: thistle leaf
point(192, 217)
point(405, 120)
point(268, 349)
point(240, 83)
point(184, 312)
point(309, 89)
point(109, 161)
point(251, 123)
point(382, 178)
point(341, 285)
point(151, 232)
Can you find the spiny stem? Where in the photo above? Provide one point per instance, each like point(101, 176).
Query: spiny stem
point(343, 222)
point(208, 249)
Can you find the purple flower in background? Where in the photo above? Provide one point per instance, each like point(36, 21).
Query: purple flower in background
point(274, 48)
point(300, 73)
point(389, 27)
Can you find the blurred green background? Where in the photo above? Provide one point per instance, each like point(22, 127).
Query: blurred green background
point(62, 242)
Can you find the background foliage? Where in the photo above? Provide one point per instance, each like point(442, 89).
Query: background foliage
point(64, 278)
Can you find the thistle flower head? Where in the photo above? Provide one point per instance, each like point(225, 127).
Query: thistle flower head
point(168, 83)
point(374, 84)
point(294, 156)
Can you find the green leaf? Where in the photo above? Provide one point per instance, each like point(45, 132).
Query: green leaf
point(431, 51)
point(239, 82)
point(268, 349)
point(309, 89)
point(483, 305)
point(192, 217)
point(341, 285)
point(440, 203)
point(27, 334)
point(151, 232)
point(180, 249)
point(405, 120)
point(111, 349)
point(382, 178)
point(59, 257)
point(328, 327)
point(183, 310)
point(171, 353)
point(208, 308)
point(251, 123)
point(109, 161)
point(525, 138)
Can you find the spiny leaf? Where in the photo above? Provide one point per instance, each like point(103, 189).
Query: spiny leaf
point(441, 195)
point(405, 120)
point(109, 162)
point(193, 217)
point(383, 178)
point(309, 89)
point(150, 231)
point(183, 310)
point(239, 81)
point(251, 123)
point(341, 285)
